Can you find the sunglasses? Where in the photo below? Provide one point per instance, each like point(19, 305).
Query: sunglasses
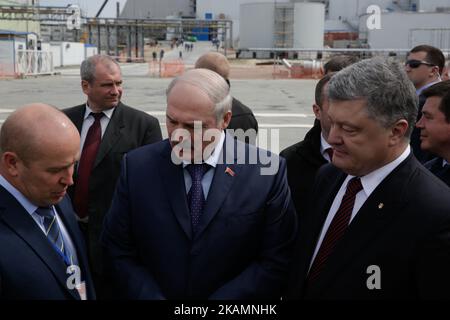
point(416, 63)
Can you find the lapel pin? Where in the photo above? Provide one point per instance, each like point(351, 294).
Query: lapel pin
point(381, 205)
point(230, 172)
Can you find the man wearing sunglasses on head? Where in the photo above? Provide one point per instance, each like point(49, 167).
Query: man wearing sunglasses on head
point(424, 65)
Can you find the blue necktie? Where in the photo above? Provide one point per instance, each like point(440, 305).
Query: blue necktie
point(53, 232)
point(196, 197)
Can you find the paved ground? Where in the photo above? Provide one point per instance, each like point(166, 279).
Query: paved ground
point(282, 106)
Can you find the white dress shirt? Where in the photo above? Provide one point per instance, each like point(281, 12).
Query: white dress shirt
point(324, 145)
point(89, 121)
point(209, 175)
point(369, 182)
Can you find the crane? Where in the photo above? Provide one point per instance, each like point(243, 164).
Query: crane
point(101, 8)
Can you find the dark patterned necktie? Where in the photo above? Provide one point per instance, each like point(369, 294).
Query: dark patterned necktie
point(53, 232)
point(336, 229)
point(196, 198)
point(87, 159)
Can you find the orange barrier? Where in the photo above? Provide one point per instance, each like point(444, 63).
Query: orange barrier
point(166, 69)
point(7, 71)
point(172, 69)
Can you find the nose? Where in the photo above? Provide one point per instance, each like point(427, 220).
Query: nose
point(67, 178)
point(115, 90)
point(419, 123)
point(334, 137)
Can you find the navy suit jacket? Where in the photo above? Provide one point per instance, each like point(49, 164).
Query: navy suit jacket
point(403, 228)
point(241, 250)
point(30, 268)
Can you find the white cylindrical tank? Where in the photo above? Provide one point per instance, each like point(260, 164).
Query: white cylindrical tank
point(309, 24)
point(257, 25)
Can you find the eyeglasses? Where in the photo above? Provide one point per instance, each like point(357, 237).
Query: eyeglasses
point(416, 63)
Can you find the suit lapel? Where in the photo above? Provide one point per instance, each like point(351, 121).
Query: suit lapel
point(378, 210)
point(220, 186)
point(78, 118)
point(173, 180)
point(26, 228)
point(112, 134)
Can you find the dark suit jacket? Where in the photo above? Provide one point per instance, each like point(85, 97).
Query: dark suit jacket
point(128, 129)
point(30, 268)
point(242, 247)
point(435, 166)
point(303, 160)
point(242, 118)
point(408, 238)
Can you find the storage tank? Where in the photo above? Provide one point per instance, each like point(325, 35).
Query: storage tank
point(257, 25)
point(309, 24)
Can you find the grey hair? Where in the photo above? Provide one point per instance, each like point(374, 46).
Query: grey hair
point(87, 68)
point(384, 85)
point(212, 84)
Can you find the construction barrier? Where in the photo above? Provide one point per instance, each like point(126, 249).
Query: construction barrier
point(166, 68)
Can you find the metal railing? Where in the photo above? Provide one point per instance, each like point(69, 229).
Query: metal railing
point(30, 63)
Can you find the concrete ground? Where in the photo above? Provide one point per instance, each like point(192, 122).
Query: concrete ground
point(282, 107)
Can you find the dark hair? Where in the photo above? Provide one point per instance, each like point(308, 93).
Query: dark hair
point(441, 90)
point(319, 88)
point(434, 55)
point(337, 63)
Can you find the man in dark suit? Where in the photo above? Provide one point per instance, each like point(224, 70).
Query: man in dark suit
point(434, 128)
point(108, 130)
point(379, 225)
point(242, 116)
point(185, 222)
point(424, 66)
point(305, 158)
point(42, 252)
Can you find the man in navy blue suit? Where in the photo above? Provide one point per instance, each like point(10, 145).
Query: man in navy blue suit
point(42, 253)
point(200, 215)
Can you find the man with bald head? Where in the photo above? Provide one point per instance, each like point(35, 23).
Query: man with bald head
point(42, 255)
point(197, 231)
point(242, 116)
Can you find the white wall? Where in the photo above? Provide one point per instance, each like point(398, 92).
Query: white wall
point(309, 25)
point(401, 30)
point(70, 53)
point(257, 25)
point(431, 5)
point(231, 9)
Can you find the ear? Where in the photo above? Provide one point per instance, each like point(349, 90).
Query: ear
point(434, 71)
point(317, 111)
point(226, 120)
point(85, 86)
point(398, 131)
point(10, 162)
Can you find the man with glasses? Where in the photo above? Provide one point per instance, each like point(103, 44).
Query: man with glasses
point(424, 65)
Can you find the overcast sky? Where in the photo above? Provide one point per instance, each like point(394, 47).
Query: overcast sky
point(89, 6)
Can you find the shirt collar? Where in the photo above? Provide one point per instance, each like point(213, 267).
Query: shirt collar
point(372, 180)
point(419, 91)
point(214, 157)
point(88, 111)
point(444, 162)
point(26, 204)
point(324, 145)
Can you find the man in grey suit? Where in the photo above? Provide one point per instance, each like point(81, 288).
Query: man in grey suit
point(108, 130)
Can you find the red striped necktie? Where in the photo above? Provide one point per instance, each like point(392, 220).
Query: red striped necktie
point(87, 159)
point(336, 229)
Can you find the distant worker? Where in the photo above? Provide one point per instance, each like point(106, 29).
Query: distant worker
point(242, 116)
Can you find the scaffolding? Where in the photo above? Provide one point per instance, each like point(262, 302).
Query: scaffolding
point(116, 36)
point(284, 25)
